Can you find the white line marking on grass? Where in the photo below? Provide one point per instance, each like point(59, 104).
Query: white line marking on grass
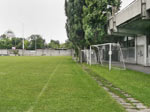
point(43, 90)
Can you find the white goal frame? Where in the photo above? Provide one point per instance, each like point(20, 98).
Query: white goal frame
point(110, 53)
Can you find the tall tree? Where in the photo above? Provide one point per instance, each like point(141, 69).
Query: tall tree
point(66, 45)
point(54, 44)
point(36, 42)
point(87, 20)
point(74, 25)
point(95, 19)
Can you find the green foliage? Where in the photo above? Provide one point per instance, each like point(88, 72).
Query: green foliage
point(26, 44)
point(36, 42)
point(74, 25)
point(87, 20)
point(54, 44)
point(66, 45)
point(94, 21)
point(31, 43)
point(5, 43)
point(16, 42)
point(8, 43)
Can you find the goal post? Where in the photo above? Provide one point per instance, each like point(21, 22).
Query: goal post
point(108, 54)
point(86, 56)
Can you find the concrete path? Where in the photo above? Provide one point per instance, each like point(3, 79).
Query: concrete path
point(138, 68)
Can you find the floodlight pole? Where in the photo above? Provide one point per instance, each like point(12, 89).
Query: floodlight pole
point(110, 54)
point(35, 42)
point(22, 39)
point(90, 55)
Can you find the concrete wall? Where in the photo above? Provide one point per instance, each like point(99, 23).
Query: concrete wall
point(148, 4)
point(129, 12)
point(3, 52)
point(148, 60)
point(141, 50)
point(39, 52)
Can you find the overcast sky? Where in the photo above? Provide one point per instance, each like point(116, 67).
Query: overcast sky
point(44, 17)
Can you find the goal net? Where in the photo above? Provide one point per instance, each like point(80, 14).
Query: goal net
point(86, 54)
point(109, 54)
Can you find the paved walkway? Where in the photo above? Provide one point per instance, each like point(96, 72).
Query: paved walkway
point(135, 67)
point(139, 68)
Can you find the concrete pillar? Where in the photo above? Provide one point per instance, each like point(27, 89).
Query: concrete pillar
point(114, 10)
point(144, 38)
point(142, 50)
point(136, 50)
point(145, 51)
point(144, 12)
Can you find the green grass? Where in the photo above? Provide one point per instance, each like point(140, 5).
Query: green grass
point(135, 83)
point(50, 84)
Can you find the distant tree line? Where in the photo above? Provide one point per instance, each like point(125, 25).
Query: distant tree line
point(9, 40)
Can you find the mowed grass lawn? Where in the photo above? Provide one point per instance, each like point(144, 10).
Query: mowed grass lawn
point(135, 83)
point(50, 84)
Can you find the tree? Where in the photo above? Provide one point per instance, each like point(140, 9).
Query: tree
point(67, 45)
point(95, 19)
point(5, 43)
point(16, 42)
point(3, 36)
point(87, 20)
point(26, 44)
point(36, 42)
point(6, 40)
point(54, 44)
point(74, 25)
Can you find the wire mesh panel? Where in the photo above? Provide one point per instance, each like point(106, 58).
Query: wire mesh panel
point(86, 56)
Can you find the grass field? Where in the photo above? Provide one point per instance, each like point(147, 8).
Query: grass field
point(50, 84)
point(135, 83)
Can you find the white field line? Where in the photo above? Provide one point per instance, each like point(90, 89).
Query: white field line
point(43, 90)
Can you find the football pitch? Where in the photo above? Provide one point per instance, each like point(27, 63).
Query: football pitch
point(50, 84)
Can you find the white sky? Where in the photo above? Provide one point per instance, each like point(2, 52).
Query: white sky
point(44, 17)
point(125, 3)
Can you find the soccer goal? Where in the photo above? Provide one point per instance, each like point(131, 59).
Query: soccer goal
point(109, 54)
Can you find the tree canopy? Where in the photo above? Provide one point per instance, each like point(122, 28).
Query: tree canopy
point(36, 42)
point(87, 20)
point(74, 25)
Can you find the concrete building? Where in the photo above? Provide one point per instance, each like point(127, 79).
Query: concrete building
point(133, 23)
